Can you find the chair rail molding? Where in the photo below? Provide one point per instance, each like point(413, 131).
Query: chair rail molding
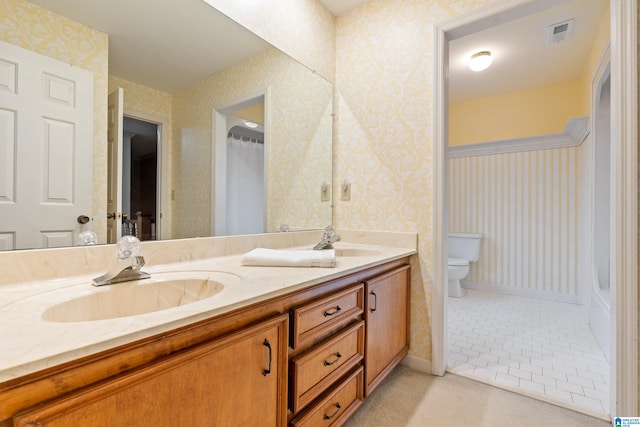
point(575, 132)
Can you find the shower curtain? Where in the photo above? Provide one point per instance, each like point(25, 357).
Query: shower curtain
point(245, 186)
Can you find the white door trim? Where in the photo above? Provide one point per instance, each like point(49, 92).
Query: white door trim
point(624, 116)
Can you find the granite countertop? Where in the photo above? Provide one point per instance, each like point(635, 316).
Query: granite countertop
point(30, 343)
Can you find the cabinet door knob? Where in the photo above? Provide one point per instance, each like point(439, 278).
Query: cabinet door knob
point(267, 344)
point(328, 417)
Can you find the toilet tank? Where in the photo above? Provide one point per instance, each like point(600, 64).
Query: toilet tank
point(465, 246)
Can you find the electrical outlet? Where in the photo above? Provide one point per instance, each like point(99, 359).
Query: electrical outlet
point(345, 192)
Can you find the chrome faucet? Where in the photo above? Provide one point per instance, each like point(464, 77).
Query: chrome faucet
point(328, 239)
point(128, 266)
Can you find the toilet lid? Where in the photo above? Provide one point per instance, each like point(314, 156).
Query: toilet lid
point(457, 262)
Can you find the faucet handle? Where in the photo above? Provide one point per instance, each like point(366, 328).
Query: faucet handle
point(137, 262)
point(127, 247)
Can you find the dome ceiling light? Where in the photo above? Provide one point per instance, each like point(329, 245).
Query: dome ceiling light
point(480, 61)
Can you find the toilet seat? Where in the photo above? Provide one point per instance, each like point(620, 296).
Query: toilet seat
point(457, 262)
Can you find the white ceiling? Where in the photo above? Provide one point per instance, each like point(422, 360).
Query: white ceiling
point(166, 45)
point(521, 56)
point(338, 7)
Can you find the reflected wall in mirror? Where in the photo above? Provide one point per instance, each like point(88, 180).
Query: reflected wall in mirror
point(297, 104)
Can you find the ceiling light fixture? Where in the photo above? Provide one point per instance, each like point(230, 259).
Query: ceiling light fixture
point(249, 124)
point(480, 61)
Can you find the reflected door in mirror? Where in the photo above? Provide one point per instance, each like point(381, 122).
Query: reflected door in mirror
point(46, 154)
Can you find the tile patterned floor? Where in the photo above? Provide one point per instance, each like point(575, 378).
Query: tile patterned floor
point(540, 347)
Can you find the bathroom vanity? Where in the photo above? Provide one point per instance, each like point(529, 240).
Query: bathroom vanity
point(298, 351)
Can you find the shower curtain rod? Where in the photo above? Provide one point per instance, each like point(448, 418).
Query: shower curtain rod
point(244, 138)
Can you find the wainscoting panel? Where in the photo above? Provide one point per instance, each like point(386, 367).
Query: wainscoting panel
point(525, 205)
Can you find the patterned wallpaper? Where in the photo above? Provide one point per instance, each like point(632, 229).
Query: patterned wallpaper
point(298, 135)
point(39, 30)
point(151, 102)
point(526, 207)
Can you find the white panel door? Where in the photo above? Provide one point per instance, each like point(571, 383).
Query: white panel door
point(46, 149)
point(115, 122)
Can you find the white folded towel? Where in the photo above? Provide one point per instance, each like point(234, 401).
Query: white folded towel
point(288, 258)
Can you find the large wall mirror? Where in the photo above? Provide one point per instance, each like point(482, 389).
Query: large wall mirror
point(220, 132)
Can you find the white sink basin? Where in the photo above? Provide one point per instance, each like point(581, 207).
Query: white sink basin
point(160, 292)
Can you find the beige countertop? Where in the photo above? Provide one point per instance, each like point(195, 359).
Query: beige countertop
point(30, 343)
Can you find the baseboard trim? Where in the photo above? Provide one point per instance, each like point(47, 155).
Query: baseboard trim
point(534, 293)
point(417, 363)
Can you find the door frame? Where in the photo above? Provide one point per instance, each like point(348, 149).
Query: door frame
point(624, 103)
point(162, 216)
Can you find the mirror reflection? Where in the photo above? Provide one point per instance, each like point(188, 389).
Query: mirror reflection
point(220, 134)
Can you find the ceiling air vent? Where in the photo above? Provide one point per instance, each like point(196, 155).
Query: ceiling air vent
point(560, 32)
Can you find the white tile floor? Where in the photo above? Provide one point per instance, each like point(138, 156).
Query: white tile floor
point(543, 348)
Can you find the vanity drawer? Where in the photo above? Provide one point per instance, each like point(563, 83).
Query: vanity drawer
point(336, 407)
point(314, 321)
point(316, 369)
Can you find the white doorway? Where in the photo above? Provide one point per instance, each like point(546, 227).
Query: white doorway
point(140, 177)
point(240, 158)
point(624, 273)
point(137, 154)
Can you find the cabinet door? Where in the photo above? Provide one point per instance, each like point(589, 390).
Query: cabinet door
point(236, 380)
point(387, 325)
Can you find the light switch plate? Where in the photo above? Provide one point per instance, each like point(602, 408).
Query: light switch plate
point(345, 192)
point(325, 192)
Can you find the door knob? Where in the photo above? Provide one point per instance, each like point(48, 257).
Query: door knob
point(111, 215)
point(83, 219)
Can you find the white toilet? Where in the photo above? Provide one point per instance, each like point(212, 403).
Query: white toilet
point(463, 249)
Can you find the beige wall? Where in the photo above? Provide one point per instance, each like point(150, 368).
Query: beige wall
point(537, 111)
point(39, 30)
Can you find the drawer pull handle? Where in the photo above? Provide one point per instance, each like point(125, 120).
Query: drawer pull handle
point(375, 299)
point(267, 344)
point(331, 313)
point(328, 417)
point(331, 363)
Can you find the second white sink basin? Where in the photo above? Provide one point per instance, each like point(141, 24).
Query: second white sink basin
point(160, 292)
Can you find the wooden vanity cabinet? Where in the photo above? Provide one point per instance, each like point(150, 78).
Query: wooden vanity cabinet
point(234, 380)
point(329, 345)
point(387, 323)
